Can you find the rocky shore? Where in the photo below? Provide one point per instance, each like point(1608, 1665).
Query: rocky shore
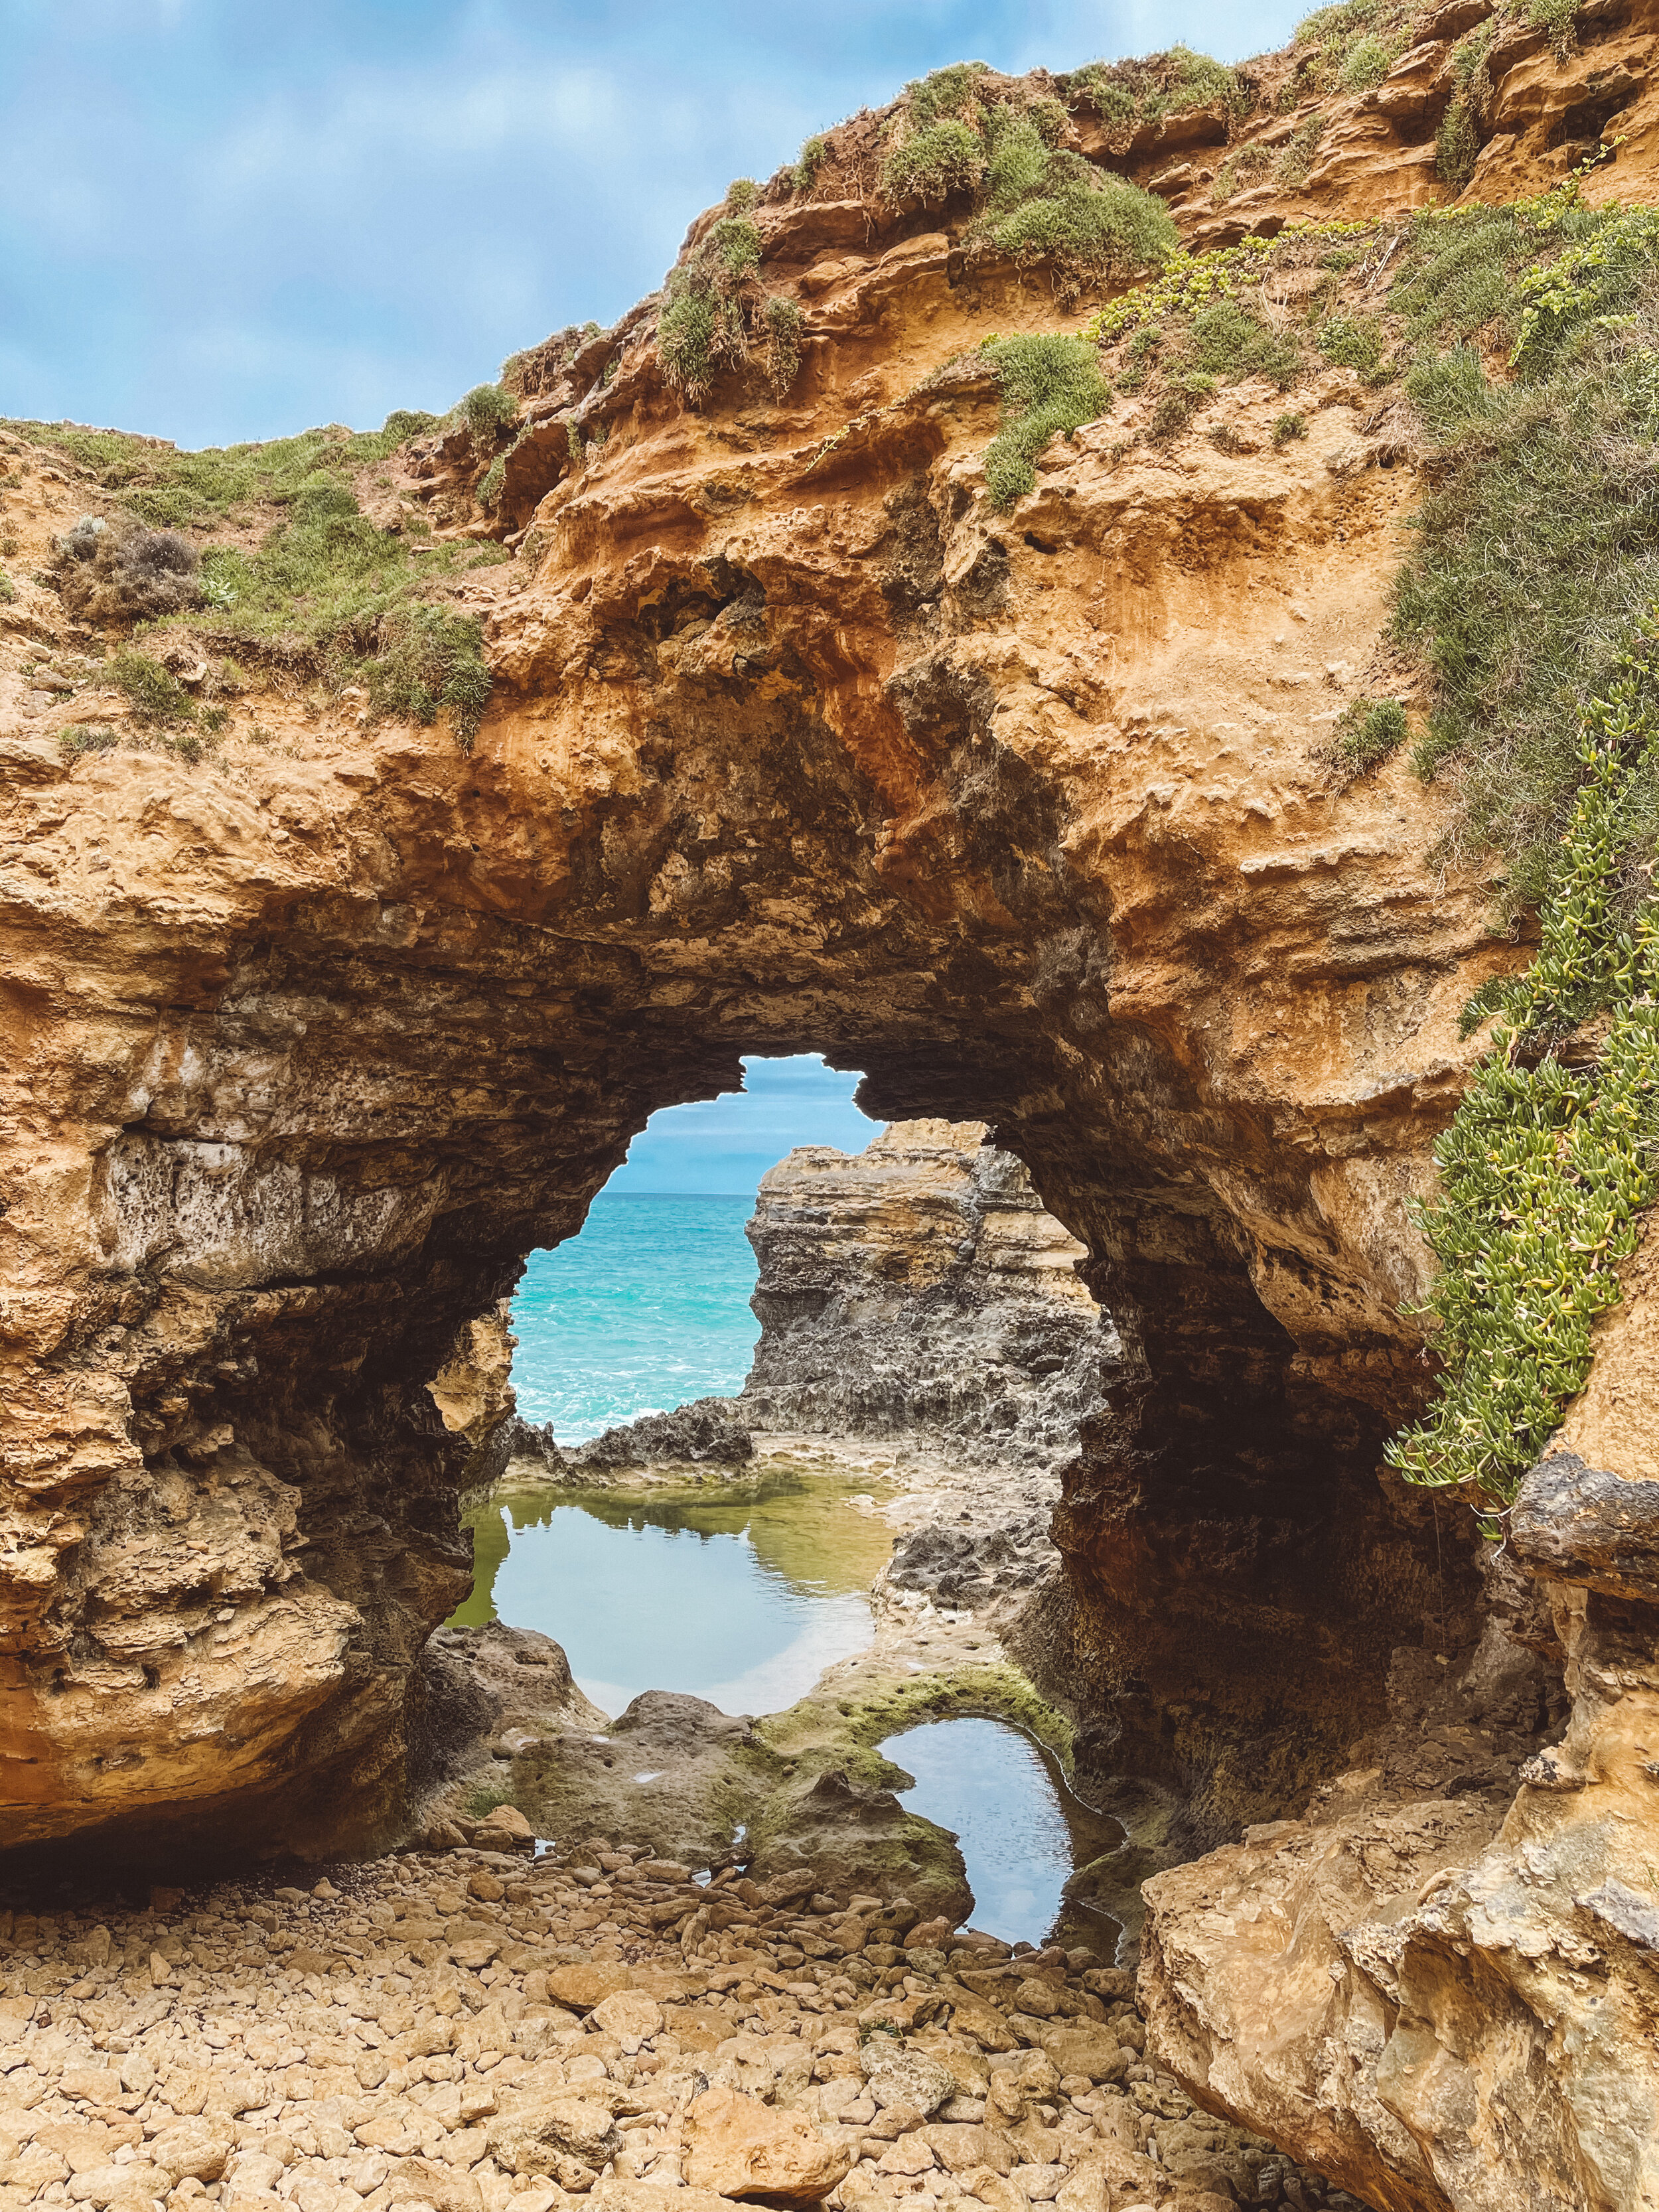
point(481, 2030)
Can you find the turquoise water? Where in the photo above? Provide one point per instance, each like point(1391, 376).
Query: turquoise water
point(648, 1307)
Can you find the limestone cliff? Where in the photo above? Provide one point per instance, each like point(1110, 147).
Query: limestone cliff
point(799, 741)
point(918, 1289)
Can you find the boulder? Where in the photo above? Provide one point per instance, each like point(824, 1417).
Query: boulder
point(738, 2146)
point(563, 2136)
point(909, 2078)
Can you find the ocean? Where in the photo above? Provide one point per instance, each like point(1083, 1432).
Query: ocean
point(647, 1308)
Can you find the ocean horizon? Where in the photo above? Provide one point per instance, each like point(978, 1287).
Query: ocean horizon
point(647, 1308)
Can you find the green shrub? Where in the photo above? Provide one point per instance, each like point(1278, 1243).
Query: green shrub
point(1546, 1168)
point(1287, 426)
point(1296, 159)
point(1556, 17)
point(1086, 225)
point(783, 330)
point(87, 738)
point(1163, 84)
point(741, 194)
point(156, 698)
point(947, 92)
point(701, 330)
point(1019, 159)
point(487, 410)
point(736, 244)
point(1179, 401)
point(1536, 555)
point(1371, 730)
point(1368, 61)
point(811, 158)
point(1197, 81)
point(1111, 100)
point(1352, 342)
point(1456, 147)
point(8, 589)
point(1051, 386)
point(1244, 164)
point(429, 662)
point(945, 157)
point(491, 482)
point(403, 423)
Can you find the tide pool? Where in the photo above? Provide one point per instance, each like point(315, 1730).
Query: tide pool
point(742, 1600)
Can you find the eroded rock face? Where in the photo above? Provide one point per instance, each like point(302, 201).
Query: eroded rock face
point(918, 1288)
point(792, 748)
point(796, 744)
point(1440, 1985)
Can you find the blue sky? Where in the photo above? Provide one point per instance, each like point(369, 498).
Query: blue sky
point(728, 1144)
point(225, 221)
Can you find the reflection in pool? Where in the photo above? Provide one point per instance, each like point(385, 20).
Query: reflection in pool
point(742, 1600)
point(1020, 1830)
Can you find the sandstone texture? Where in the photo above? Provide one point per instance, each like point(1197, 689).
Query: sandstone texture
point(796, 743)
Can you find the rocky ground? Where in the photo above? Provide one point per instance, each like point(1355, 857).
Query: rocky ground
point(479, 2029)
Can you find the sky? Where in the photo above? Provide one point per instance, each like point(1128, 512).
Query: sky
point(221, 221)
point(728, 1144)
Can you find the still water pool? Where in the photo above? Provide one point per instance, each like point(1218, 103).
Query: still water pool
point(742, 1600)
point(1020, 1828)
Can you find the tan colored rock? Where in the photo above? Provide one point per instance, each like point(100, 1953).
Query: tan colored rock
point(1091, 2050)
point(612, 2196)
point(582, 1988)
point(629, 2015)
point(191, 2149)
point(508, 1820)
point(423, 2181)
point(738, 2146)
point(911, 2154)
point(100, 2185)
point(545, 2136)
point(962, 2149)
point(911, 2078)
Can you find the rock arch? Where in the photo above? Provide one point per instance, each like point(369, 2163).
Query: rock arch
point(1033, 824)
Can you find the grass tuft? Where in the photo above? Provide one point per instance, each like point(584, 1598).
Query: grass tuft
point(942, 158)
point(1051, 386)
point(174, 490)
point(487, 409)
point(1368, 732)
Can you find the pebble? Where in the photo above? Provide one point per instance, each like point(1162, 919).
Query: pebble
point(477, 2031)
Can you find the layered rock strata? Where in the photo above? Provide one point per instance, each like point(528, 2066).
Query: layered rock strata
point(797, 743)
point(1465, 1927)
point(918, 1289)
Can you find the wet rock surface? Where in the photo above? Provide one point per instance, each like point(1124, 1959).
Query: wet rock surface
point(706, 1431)
point(480, 2031)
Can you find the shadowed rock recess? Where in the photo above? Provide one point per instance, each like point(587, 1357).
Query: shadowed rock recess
point(795, 742)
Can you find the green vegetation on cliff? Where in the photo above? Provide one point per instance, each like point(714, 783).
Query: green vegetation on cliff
point(321, 594)
point(1521, 348)
point(1034, 201)
point(1548, 1161)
